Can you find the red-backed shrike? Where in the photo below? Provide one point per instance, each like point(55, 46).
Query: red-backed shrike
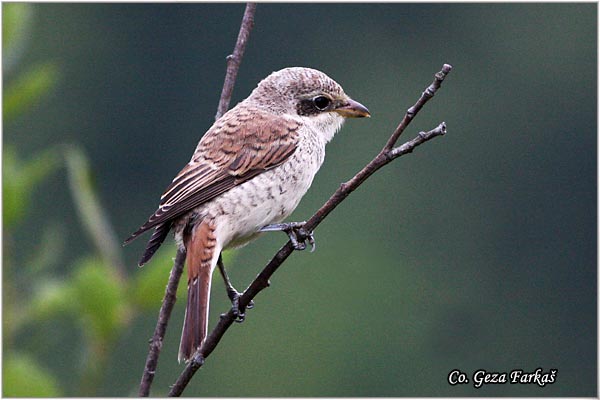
point(249, 170)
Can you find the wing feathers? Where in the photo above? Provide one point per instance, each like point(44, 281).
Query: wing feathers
point(183, 179)
point(242, 144)
point(158, 237)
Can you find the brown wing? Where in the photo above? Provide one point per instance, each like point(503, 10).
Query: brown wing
point(241, 145)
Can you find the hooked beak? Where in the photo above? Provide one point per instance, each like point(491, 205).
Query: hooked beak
point(353, 109)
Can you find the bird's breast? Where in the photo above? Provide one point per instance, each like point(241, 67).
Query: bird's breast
point(268, 198)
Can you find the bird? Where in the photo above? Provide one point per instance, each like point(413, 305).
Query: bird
point(247, 174)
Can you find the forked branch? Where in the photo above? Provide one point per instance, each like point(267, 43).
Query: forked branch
point(385, 156)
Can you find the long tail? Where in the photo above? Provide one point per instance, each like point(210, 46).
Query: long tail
point(201, 259)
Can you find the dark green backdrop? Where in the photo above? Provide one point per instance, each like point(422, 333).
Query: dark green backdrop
point(478, 251)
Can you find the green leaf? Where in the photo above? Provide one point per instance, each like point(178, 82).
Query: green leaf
point(51, 298)
point(14, 197)
point(93, 216)
point(27, 88)
point(22, 376)
point(17, 19)
point(20, 179)
point(100, 299)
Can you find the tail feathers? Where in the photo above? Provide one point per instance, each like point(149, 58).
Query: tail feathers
point(195, 325)
point(201, 260)
point(157, 238)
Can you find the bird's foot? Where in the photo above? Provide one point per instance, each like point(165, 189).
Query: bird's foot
point(238, 313)
point(296, 232)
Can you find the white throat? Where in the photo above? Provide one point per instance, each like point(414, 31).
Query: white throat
point(325, 125)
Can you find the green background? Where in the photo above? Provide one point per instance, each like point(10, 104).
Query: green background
point(478, 251)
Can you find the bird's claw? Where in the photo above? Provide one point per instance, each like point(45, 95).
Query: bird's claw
point(296, 232)
point(238, 313)
point(299, 237)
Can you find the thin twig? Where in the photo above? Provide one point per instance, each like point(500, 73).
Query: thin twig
point(385, 156)
point(161, 325)
point(412, 111)
point(233, 65)
point(235, 59)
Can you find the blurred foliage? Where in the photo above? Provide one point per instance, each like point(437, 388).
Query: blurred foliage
point(23, 377)
point(35, 80)
point(20, 178)
point(96, 294)
point(16, 26)
point(147, 289)
point(52, 298)
point(101, 305)
point(27, 88)
point(91, 213)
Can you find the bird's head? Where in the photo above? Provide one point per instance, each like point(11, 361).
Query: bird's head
point(305, 92)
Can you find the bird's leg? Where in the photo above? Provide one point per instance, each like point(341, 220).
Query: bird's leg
point(233, 294)
point(296, 232)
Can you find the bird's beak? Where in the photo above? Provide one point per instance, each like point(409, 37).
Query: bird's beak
point(353, 109)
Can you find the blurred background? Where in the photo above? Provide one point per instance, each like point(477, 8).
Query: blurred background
point(477, 251)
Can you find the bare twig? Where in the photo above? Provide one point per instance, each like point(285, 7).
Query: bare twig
point(411, 112)
point(385, 156)
point(161, 325)
point(235, 59)
point(233, 65)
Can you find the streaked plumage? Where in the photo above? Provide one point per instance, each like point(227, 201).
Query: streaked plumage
point(250, 169)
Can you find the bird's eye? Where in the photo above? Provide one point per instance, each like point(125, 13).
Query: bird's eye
point(321, 102)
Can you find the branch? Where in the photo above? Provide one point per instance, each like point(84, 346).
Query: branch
point(233, 65)
point(385, 156)
point(411, 112)
point(161, 325)
point(234, 60)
